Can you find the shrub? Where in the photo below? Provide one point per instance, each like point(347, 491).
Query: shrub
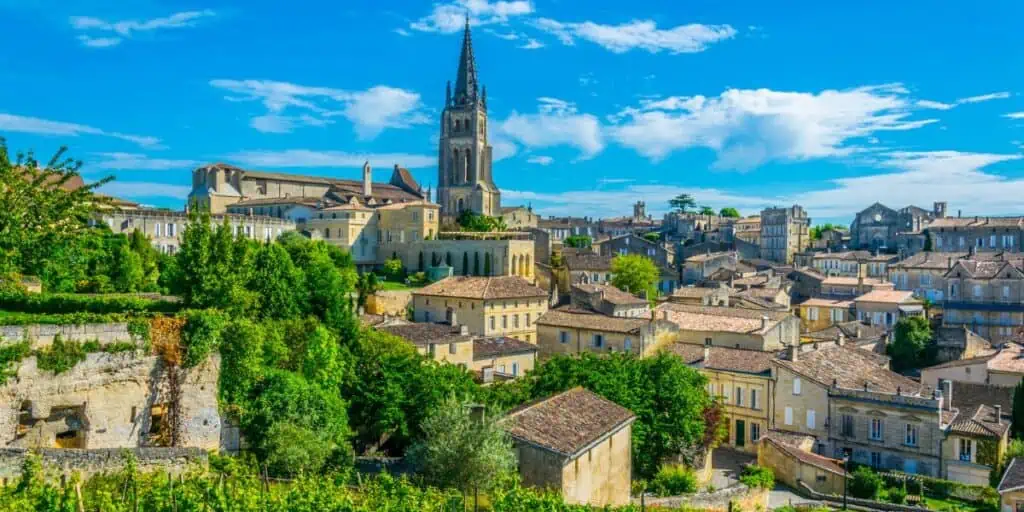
point(672, 480)
point(418, 279)
point(897, 495)
point(865, 484)
point(201, 335)
point(10, 356)
point(758, 477)
point(913, 486)
point(393, 269)
point(60, 356)
point(61, 303)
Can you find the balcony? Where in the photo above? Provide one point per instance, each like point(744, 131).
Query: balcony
point(1009, 307)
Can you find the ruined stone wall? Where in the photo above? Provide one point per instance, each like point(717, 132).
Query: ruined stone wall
point(109, 401)
point(65, 462)
point(394, 303)
point(42, 335)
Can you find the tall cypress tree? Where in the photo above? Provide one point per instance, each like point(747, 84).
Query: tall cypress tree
point(465, 263)
point(1017, 424)
point(476, 263)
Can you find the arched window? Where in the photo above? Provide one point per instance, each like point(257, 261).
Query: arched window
point(465, 175)
point(457, 125)
point(461, 205)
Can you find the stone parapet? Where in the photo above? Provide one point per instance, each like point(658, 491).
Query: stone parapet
point(65, 462)
point(42, 335)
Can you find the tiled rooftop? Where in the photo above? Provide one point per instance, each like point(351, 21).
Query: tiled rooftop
point(850, 368)
point(1013, 478)
point(423, 333)
point(471, 287)
point(488, 348)
point(588, 261)
point(979, 421)
point(718, 319)
point(584, 319)
point(888, 297)
point(724, 358)
point(568, 422)
point(612, 294)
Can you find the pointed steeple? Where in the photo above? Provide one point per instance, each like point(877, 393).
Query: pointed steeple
point(465, 81)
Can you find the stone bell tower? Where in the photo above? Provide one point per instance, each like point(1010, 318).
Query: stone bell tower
point(464, 180)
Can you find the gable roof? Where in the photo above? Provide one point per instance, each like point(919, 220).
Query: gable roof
point(1013, 478)
point(849, 368)
point(612, 294)
point(473, 287)
point(567, 423)
point(979, 421)
point(888, 297)
point(720, 319)
point(969, 395)
point(423, 333)
point(813, 459)
point(577, 318)
point(850, 331)
point(587, 261)
point(498, 346)
point(724, 359)
point(957, 336)
point(987, 269)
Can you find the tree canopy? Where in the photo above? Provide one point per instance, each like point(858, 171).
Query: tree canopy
point(635, 274)
point(729, 211)
point(816, 231)
point(909, 349)
point(682, 203)
point(578, 241)
point(707, 210)
point(471, 221)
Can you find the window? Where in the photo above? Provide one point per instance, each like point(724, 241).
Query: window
point(755, 432)
point(707, 342)
point(451, 348)
point(992, 241)
point(492, 324)
point(926, 279)
point(847, 425)
point(515, 369)
point(876, 429)
point(796, 386)
point(812, 313)
point(159, 229)
point(836, 315)
point(515, 321)
point(876, 460)
point(965, 449)
point(1006, 292)
point(739, 396)
point(753, 400)
point(910, 438)
point(527, 317)
point(504, 321)
point(598, 341)
point(789, 416)
point(977, 291)
point(426, 315)
point(810, 419)
point(627, 345)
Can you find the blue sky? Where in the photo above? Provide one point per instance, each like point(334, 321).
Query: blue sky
point(593, 105)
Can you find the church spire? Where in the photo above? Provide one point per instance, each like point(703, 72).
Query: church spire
point(465, 82)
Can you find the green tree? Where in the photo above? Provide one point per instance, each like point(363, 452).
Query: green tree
point(816, 231)
point(150, 258)
point(912, 335)
point(367, 286)
point(476, 263)
point(462, 451)
point(635, 274)
point(328, 288)
point(213, 266)
point(729, 211)
point(578, 241)
point(682, 203)
point(41, 211)
point(129, 274)
point(865, 483)
point(1017, 425)
point(465, 263)
point(653, 237)
point(242, 359)
point(393, 269)
point(487, 264)
point(277, 283)
point(707, 211)
point(323, 362)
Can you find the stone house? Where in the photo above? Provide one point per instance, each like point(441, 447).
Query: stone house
point(588, 267)
point(698, 267)
point(519, 218)
point(784, 232)
point(819, 313)
point(1004, 368)
point(577, 444)
point(635, 244)
point(959, 342)
point(886, 307)
point(772, 299)
point(700, 296)
point(976, 441)
point(1011, 486)
point(866, 337)
point(793, 464)
point(748, 229)
point(834, 286)
point(490, 358)
point(879, 226)
point(164, 228)
point(984, 234)
point(441, 342)
point(924, 274)
point(500, 358)
point(985, 295)
point(489, 306)
point(853, 263)
point(742, 379)
point(732, 327)
point(609, 300)
point(571, 330)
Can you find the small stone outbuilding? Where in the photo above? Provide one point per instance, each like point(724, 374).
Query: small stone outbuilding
point(576, 443)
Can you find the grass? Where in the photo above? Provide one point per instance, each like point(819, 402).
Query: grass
point(943, 505)
point(395, 286)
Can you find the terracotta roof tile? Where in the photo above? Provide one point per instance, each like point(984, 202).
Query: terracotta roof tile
point(487, 348)
point(1013, 479)
point(979, 421)
point(568, 422)
point(422, 333)
point(723, 358)
point(818, 461)
point(612, 294)
point(969, 395)
point(583, 319)
point(851, 368)
point(588, 261)
point(718, 319)
point(889, 297)
point(471, 287)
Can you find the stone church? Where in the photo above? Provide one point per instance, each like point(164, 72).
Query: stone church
point(464, 178)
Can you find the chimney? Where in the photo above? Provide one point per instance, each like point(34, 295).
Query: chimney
point(463, 330)
point(958, 212)
point(949, 262)
point(858, 332)
point(764, 323)
point(794, 352)
point(947, 391)
point(367, 179)
point(707, 354)
point(841, 339)
point(999, 414)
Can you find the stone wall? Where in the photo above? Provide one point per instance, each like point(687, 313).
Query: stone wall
point(42, 335)
point(109, 401)
point(392, 303)
point(65, 462)
point(737, 497)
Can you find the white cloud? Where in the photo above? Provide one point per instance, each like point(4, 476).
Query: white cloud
point(1014, 115)
point(531, 44)
point(144, 189)
point(639, 34)
point(557, 122)
point(370, 111)
point(450, 17)
point(402, 32)
point(747, 127)
point(13, 123)
point(310, 158)
point(938, 105)
point(917, 178)
point(540, 160)
point(139, 161)
point(125, 29)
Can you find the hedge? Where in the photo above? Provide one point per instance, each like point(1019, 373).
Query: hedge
point(20, 318)
point(942, 489)
point(66, 303)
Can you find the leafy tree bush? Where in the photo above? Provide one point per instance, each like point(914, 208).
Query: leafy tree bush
point(460, 451)
point(277, 284)
point(653, 237)
point(673, 480)
point(682, 203)
point(865, 484)
point(201, 335)
point(758, 477)
point(897, 495)
point(729, 212)
point(60, 303)
point(578, 241)
point(60, 356)
point(635, 274)
point(393, 269)
point(1017, 430)
point(912, 335)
